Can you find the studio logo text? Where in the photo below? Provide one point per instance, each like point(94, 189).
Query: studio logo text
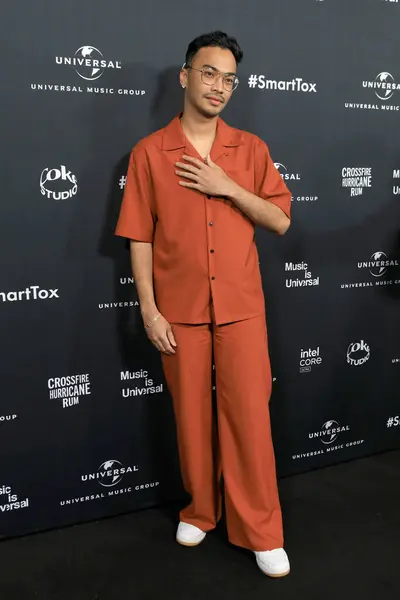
point(358, 353)
point(58, 183)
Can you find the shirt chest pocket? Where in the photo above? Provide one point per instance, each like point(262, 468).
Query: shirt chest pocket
point(243, 177)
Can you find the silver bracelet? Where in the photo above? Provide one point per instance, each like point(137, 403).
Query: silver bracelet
point(153, 320)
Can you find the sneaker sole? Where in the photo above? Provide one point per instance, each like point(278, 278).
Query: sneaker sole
point(189, 544)
point(275, 576)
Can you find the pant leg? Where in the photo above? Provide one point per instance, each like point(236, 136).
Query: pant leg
point(188, 376)
point(243, 380)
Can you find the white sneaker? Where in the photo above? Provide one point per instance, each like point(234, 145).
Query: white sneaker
point(274, 563)
point(189, 535)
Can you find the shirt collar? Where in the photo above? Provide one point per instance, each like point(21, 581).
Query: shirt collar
point(174, 137)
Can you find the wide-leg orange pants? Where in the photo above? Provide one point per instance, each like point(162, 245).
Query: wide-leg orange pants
point(237, 444)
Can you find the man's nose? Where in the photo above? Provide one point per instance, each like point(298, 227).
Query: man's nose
point(218, 85)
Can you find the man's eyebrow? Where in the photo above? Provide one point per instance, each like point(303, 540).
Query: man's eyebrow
point(215, 69)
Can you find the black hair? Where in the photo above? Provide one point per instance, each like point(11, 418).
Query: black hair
point(215, 38)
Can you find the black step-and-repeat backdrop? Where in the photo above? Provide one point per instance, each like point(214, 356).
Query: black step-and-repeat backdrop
point(86, 423)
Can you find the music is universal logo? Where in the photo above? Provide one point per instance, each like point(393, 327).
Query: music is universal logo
point(89, 64)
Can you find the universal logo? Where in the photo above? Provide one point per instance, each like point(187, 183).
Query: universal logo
point(88, 62)
point(288, 176)
point(384, 87)
point(329, 432)
point(283, 172)
point(4, 418)
point(378, 265)
point(109, 473)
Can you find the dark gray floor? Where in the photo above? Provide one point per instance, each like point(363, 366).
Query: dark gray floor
point(342, 536)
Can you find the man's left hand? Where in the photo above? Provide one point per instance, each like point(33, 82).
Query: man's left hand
point(207, 178)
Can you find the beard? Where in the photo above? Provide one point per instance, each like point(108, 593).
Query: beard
point(209, 111)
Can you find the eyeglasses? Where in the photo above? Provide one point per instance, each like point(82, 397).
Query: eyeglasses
point(209, 76)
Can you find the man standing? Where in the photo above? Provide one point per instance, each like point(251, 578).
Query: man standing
point(194, 192)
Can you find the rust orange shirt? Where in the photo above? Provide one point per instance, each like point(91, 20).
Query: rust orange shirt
point(204, 251)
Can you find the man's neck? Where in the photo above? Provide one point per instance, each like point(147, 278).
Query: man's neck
point(198, 127)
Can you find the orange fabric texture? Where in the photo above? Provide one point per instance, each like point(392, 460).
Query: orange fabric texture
point(237, 443)
point(204, 247)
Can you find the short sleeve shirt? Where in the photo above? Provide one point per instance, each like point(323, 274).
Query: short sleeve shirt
point(204, 251)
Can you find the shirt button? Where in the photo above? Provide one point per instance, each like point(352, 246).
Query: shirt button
point(212, 277)
point(211, 251)
point(211, 223)
point(208, 196)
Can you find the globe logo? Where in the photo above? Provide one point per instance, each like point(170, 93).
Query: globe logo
point(328, 436)
point(279, 166)
point(378, 270)
point(89, 65)
point(110, 472)
point(382, 93)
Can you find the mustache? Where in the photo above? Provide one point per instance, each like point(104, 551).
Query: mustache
point(215, 96)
